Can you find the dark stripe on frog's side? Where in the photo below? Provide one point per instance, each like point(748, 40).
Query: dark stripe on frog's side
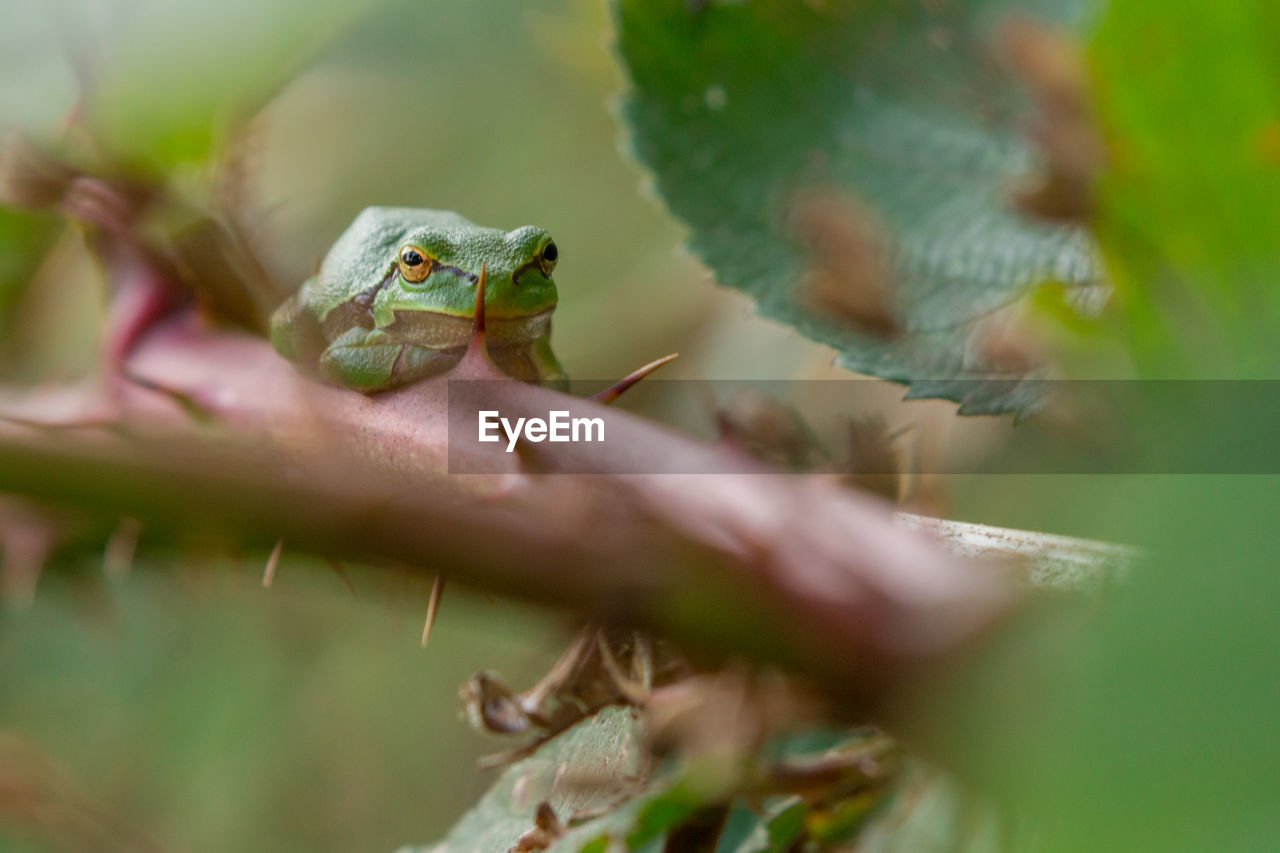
point(358, 310)
point(470, 276)
point(364, 298)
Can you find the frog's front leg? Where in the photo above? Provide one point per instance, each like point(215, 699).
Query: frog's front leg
point(549, 371)
point(369, 360)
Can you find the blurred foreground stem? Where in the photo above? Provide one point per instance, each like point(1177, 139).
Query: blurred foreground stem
point(241, 449)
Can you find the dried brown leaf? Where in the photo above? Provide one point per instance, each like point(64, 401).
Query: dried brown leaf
point(29, 176)
point(767, 429)
point(873, 463)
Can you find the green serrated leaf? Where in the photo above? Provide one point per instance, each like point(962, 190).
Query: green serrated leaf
point(744, 831)
point(785, 822)
point(930, 813)
point(661, 814)
point(596, 777)
point(737, 106)
point(592, 768)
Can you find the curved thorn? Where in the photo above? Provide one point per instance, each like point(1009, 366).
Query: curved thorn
point(635, 692)
point(476, 360)
point(341, 572)
point(615, 390)
point(433, 607)
point(188, 401)
point(269, 573)
point(117, 556)
point(477, 322)
point(533, 459)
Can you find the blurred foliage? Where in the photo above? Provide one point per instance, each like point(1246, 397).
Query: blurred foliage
point(741, 108)
point(590, 768)
point(1191, 208)
point(1155, 728)
point(24, 240)
point(207, 713)
point(193, 707)
point(205, 97)
point(599, 780)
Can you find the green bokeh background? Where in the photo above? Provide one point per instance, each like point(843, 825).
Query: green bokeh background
point(214, 715)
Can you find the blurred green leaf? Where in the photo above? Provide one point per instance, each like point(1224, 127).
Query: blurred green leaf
point(737, 106)
point(198, 710)
point(931, 813)
point(595, 767)
point(1190, 207)
point(597, 777)
point(1166, 740)
point(177, 76)
point(743, 832)
point(25, 238)
point(1148, 722)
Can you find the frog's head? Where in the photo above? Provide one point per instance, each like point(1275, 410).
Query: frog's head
point(413, 273)
point(430, 261)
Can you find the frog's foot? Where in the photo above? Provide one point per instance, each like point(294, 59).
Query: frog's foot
point(368, 360)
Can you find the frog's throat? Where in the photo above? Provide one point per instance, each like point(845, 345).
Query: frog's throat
point(438, 331)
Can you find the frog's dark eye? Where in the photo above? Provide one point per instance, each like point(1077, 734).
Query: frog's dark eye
point(547, 260)
point(415, 265)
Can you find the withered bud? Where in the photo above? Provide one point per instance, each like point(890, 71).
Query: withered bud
point(546, 829)
point(491, 706)
point(544, 818)
point(771, 431)
point(29, 176)
point(873, 463)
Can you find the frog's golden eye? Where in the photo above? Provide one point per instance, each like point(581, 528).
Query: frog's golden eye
point(415, 265)
point(547, 260)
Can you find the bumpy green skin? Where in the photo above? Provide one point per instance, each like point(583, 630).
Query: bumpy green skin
point(359, 323)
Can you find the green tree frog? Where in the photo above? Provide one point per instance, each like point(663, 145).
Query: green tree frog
point(394, 301)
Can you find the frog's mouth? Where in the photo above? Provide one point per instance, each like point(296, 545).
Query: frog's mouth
point(447, 331)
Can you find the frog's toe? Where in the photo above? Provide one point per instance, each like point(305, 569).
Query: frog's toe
point(364, 368)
